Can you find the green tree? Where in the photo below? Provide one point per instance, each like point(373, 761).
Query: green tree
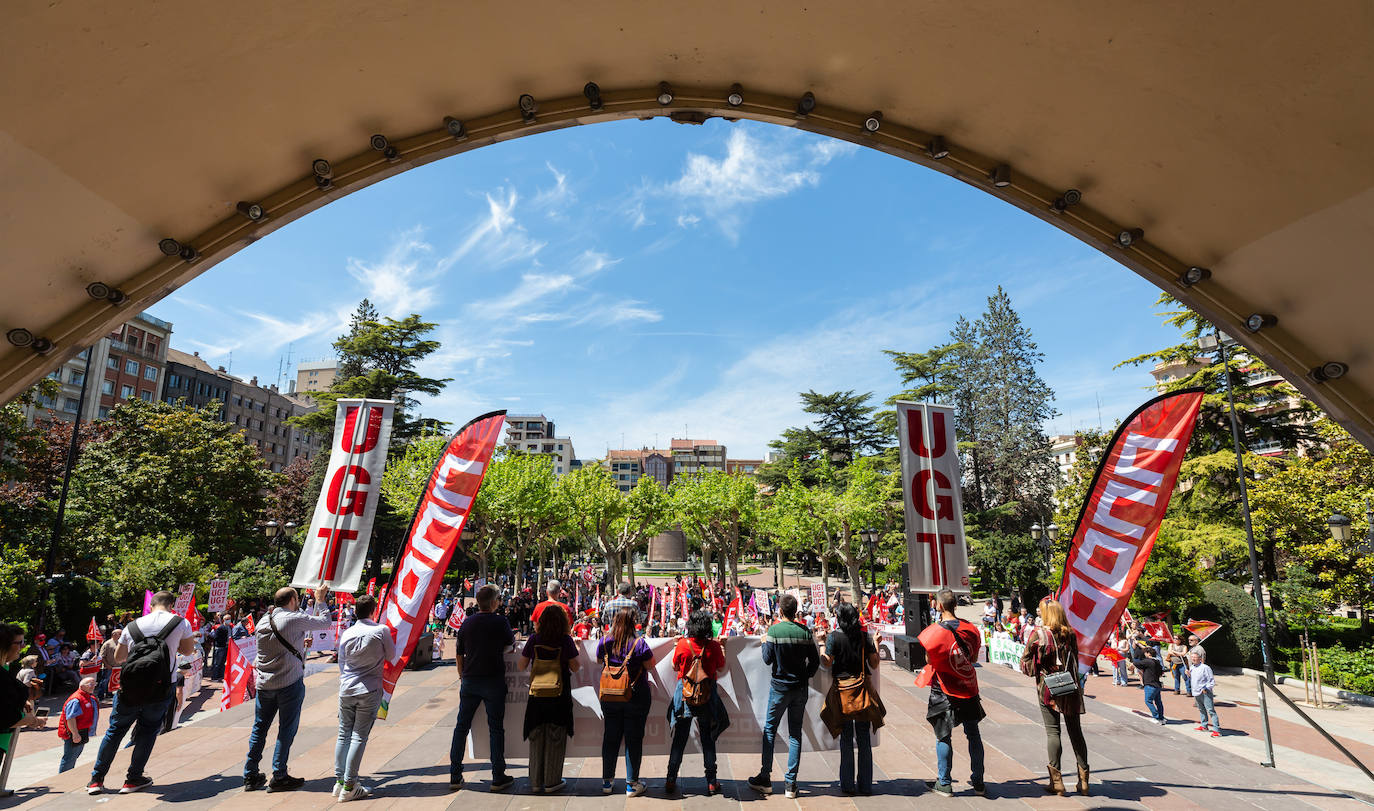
point(592, 504)
point(1170, 580)
point(648, 511)
point(166, 471)
point(717, 509)
point(1006, 563)
point(793, 519)
point(863, 497)
point(926, 376)
point(381, 357)
point(1303, 603)
point(254, 579)
point(156, 562)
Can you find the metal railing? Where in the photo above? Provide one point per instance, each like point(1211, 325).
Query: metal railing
point(1269, 738)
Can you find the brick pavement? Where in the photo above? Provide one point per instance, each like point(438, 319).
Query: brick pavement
point(1136, 764)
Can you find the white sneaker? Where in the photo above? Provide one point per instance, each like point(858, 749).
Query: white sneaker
point(337, 790)
point(357, 793)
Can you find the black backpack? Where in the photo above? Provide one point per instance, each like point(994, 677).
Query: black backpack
point(146, 675)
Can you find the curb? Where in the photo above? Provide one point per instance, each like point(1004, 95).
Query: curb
point(1348, 697)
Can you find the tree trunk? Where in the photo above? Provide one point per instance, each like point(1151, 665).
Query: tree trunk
point(856, 582)
point(630, 566)
point(721, 567)
point(519, 567)
point(825, 573)
point(734, 556)
point(777, 581)
point(612, 569)
point(482, 567)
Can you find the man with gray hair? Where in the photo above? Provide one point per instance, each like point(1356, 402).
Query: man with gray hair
point(554, 590)
point(623, 600)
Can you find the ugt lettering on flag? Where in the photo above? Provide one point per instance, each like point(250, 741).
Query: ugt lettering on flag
point(1121, 516)
point(934, 509)
point(335, 549)
point(435, 532)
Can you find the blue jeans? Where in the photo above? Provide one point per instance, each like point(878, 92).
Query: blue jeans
point(474, 691)
point(793, 702)
point(1154, 702)
point(287, 701)
point(1119, 675)
point(71, 750)
point(682, 731)
point(1181, 674)
point(624, 721)
point(218, 658)
point(1206, 709)
point(356, 715)
point(146, 720)
point(944, 754)
point(856, 732)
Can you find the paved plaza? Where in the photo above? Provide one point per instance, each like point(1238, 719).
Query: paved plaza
point(1136, 764)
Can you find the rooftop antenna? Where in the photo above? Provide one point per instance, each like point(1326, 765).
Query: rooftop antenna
point(1099, 410)
point(230, 370)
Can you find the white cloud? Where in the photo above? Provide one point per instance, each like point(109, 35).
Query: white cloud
point(401, 282)
point(627, 311)
point(554, 199)
point(496, 239)
point(532, 288)
point(827, 149)
point(687, 220)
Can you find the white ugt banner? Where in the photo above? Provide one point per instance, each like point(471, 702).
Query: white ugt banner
point(931, 480)
point(743, 686)
point(334, 551)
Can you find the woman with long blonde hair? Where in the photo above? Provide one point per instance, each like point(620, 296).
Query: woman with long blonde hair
point(1053, 648)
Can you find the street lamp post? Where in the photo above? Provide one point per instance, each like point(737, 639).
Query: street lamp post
point(871, 535)
point(1215, 342)
point(275, 533)
point(1045, 538)
point(1341, 533)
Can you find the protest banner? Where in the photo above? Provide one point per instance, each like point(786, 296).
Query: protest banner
point(239, 682)
point(1121, 515)
point(743, 686)
point(184, 598)
point(884, 636)
point(317, 641)
point(817, 596)
point(341, 526)
point(1003, 650)
point(219, 595)
point(933, 510)
point(114, 679)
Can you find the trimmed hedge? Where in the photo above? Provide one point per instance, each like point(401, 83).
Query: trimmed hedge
point(1237, 642)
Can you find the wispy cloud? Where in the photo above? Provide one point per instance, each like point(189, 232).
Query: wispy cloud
point(553, 200)
point(402, 281)
point(496, 239)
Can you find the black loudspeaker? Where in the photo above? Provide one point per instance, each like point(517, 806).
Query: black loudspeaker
point(424, 653)
point(908, 653)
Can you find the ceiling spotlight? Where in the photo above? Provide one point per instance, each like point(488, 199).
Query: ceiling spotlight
point(806, 104)
point(1000, 175)
point(43, 346)
point(1067, 200)
point(321, 168)
point(1194, 275)
point(874, 121)
point(189, 254)
point(937, 148)
point(1331, 370)
point(169, 246)
point(1129, 237)
point(454, 127)
point(736, 97)
point(593, 94)
point(665, 94)
point(98, 290)
point(19, 337)
point(528, 107)
point(253, 211)
point(379, 142)
point(1259, 321)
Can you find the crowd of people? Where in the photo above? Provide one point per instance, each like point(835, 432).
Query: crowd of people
point(494, 619)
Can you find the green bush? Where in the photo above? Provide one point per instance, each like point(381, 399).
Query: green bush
point(1237, 642)
point(1348, 669)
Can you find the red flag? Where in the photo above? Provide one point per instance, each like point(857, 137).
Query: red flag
point(455, 619)
point(249, 625)
point(238, 679)
point(1158, 630)
point(1121, 516)
point(193, 617)
point(93, 632)
point(372, 587)
point(1111, 654)
point(435, 532)
point(1203, 628)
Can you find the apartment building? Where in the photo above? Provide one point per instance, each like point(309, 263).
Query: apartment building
point(261, 413)
point(628, 466)
point(315, 375)
point(535, 433)
point(128, 363)
point(743, 467)
point(691, 456)
point(1285, 403)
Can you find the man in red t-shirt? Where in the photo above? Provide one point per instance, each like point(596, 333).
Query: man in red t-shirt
point(951, 647)
point(555, 593)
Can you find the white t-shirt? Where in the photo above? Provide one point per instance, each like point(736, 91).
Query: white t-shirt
point(151, 624)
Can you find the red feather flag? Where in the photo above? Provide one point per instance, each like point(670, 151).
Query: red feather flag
point(435, 533)
point(1203, 628)
point(93, 632)
point(1121, 516)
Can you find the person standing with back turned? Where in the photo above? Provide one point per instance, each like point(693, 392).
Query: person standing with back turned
point(147, 651)
point(481, 654)
point(951, 647)
point(1053, 648)
point(791, 652)
point(280, 667)
point(363, 653)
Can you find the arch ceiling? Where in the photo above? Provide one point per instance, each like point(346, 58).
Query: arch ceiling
point(1239, 141)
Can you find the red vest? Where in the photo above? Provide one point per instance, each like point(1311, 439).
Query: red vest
point(83, 721)
point(942, 653)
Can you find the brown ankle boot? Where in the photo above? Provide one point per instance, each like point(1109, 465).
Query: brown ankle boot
point(1056, 785)
point(1082, 781)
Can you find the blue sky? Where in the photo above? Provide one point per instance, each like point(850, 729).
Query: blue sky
point(649, 280)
